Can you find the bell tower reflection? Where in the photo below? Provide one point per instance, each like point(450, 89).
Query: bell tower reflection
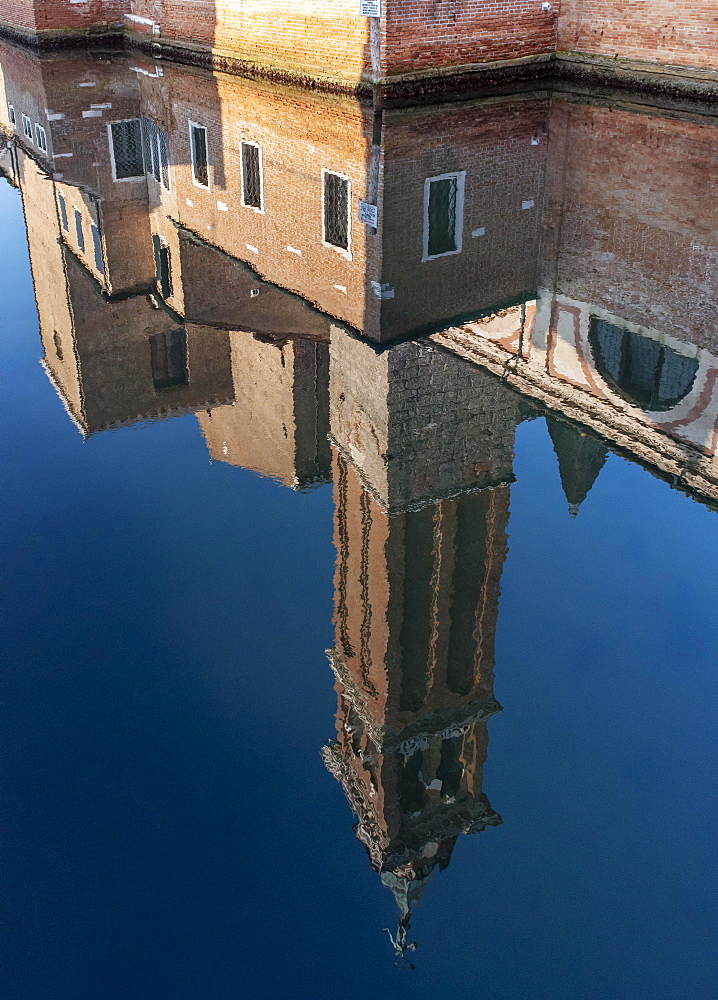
point(416, 604)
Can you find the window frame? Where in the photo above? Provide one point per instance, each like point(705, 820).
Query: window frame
point(27, 127)
point(196, 125)
point(254, 145)
point(40, 132)
point(460, 176)
point(347, 254)
point(12, 116)
point(135, 177)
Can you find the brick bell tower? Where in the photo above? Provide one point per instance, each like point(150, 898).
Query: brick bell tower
point(416, 605)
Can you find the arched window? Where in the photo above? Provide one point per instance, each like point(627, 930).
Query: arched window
point(642, 371)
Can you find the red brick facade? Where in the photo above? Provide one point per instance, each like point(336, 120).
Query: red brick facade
point(330, 42)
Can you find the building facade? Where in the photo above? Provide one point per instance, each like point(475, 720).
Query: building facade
point(406, 46)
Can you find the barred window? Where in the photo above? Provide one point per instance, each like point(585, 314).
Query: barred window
point(126, 139)
point(97, 245)
point(149, 146)
point(336, 210)
point(63, 212)
point(443, 210)
point(78, 230)
point(11, 113)
point(200, 159)
point(40, 138)
point(155, 145)
point(251, 175)
point(163, 273)
point(168, 358)
point(27, 127)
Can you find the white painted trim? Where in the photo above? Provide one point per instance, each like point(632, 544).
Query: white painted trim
point(460, 176)
point(348, 252)
point(40, 132)
point(27, 127)
point(253, 208)
point(202, 187)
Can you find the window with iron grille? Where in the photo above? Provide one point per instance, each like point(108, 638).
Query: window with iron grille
point(63, 212)
point(163, 273)
point(336, 210)
point(251, 175)
point(126, 139)
point(149, 146)
point(443, 214)
point(27, 127)
point(97, 245)
point(79, 231)
point(11, 113)
point(155, 144)
point(168, 358)
point(200, 159)
point(40, 138)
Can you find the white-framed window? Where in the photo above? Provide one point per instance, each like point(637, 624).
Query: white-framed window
point(11, 115)
point(40, 138)
point(155, 142)
point(79, 232)
point(443, 215)
point(252, 176)
point(200, 155)
point(63, 211)
point(336, 217)
point(27, 127)
point(126, 149)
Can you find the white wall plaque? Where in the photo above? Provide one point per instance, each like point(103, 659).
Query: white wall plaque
point(370, 8)
point(368, 214)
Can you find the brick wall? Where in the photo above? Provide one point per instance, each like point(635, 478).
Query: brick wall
point(422, 35)
point(630, 224)
point(662, 31)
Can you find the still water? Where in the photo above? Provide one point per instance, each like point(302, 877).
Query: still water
point(359, 630)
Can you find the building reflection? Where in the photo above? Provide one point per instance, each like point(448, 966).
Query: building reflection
point(421, 505)
point(196, 247)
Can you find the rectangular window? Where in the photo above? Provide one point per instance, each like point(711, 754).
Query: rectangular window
point(27, 127)
point(163, 145)
point(63, 212)
point(97, 244)
point(336, 210)
point(149, 147)
point(443, 214)
point(126, 146)
point(11, 113)
point(78, 230)
point(251, 176)
point(155, 143)
point(168, 357)
point(40, 138)
point(200, 159)
point(162, 267)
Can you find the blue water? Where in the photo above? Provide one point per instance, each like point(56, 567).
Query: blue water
point(169, 827)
